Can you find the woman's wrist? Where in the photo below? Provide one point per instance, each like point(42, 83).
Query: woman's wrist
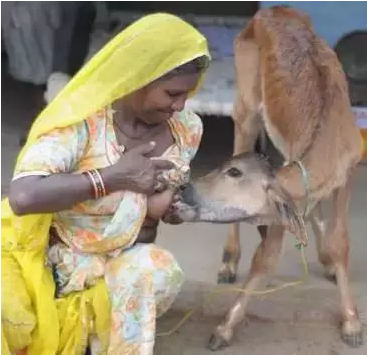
point(53, 193)
point(107, 175)
point(97, 184)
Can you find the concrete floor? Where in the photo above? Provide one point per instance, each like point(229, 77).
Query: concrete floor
point(302, 320)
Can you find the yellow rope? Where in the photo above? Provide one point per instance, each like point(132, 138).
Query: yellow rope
point(241, 290)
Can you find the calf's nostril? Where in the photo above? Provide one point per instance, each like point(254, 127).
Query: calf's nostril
point(187, 194)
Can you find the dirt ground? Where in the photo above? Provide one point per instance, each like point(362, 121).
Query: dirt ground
point(301, 320)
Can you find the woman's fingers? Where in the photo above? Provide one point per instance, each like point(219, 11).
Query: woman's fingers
point(162, 164)
point(160, 184)
point(143, 149)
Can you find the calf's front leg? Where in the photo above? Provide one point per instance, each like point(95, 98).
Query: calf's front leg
point(265, 259)
point(246, 130)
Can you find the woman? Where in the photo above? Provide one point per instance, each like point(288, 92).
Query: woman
point(97, 173)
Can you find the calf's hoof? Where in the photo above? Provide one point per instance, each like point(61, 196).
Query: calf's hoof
point(226, 276)
point(221, 338)
point(331, 278)
point(352, 334)
point(217, 342)
point(330, 273)
point(228, 272)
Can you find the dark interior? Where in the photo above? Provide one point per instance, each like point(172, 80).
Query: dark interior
point(218, 8)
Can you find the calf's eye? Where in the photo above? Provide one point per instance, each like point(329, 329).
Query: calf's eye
point(234, 172)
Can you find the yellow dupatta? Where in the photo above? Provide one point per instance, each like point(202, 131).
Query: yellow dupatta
point(31, 316)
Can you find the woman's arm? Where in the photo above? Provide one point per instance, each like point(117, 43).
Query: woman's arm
point(45, 194)
point(57, 192)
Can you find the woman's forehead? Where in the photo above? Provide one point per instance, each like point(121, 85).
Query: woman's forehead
point(182, 81)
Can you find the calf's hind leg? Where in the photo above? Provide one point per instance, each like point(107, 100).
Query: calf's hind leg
point(335, 246)
point(231, 256)
point(319, 224)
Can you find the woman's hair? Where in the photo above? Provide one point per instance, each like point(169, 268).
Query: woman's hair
point(195, 66)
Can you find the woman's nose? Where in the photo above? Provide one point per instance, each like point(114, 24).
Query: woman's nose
point(179, 105)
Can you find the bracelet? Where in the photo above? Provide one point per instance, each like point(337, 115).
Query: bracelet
point(94, 191)
point(96, 181)
point(99, 181)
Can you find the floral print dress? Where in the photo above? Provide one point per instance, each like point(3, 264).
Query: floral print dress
point(98, 236)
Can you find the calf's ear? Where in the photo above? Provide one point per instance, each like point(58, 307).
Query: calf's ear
point(287, 212)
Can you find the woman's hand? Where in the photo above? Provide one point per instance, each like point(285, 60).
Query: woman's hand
point(59, 192)
point(135, 171)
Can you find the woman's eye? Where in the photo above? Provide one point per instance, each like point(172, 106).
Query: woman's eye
point(173, 94)
point(234, 172)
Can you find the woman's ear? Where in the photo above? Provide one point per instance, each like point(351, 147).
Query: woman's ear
point(287, 212)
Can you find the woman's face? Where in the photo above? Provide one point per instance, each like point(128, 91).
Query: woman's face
point(158, 101)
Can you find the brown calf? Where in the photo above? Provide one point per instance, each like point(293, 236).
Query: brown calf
point(292, 87)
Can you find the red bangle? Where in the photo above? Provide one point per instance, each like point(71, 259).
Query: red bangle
point(94, 189)
point(99, 182)
point(96, 181)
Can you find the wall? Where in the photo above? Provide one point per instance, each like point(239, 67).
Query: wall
point(331, 19)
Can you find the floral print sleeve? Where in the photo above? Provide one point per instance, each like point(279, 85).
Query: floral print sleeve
point(54, 152)
point(187, 128)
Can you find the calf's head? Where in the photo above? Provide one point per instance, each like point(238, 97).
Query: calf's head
point(243, 189)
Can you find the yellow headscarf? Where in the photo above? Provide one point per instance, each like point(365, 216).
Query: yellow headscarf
point(143, 52)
